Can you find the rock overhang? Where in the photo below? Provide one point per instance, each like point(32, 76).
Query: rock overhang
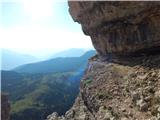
point(119, 28)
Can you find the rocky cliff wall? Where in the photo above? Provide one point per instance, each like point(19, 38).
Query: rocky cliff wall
point(119, 27)
point(122, 82)
point(5, 107)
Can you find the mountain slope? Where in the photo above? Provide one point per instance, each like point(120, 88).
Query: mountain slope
point(57, 65)
point(74, 52)
point(36, 92)
point(10, 59)
point(34, 96)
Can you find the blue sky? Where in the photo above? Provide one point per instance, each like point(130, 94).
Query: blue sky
point(31, 26)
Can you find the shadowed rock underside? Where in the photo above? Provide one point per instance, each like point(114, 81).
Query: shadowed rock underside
point(119, 27)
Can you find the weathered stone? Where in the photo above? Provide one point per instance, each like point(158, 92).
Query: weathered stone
point(157, 94)
point(142, 77)
point(135, 96)
point(53, 116)
point(5, 107)
point(143, 106)
point(158, 109)
point(70, 114)
point(119, 27)
point(148, 98)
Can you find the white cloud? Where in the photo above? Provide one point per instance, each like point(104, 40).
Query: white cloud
point(37, 37)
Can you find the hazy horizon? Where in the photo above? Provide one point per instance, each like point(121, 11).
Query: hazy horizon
point(43, 53)
point(40, 28)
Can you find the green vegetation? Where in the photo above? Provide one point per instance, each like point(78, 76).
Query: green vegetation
point(38, 89)
point(87, 82)
point(40, 94)
point(101, 95)
point(21, 105)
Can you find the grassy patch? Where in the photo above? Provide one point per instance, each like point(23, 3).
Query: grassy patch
point(87, 82)
point(21, 105)
point(101, 95)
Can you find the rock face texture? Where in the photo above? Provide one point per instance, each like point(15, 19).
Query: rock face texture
point(111, 91)
point(122, 82)
point(5, 107)
point(119, 27)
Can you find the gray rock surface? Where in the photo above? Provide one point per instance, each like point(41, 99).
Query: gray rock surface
point(5, 107)
point(119, 27)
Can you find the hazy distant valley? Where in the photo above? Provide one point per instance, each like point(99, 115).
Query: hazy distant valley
point(11, 59)
point(37, 89)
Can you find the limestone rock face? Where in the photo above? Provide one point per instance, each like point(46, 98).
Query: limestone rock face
point(119, 27)
point(5, 107)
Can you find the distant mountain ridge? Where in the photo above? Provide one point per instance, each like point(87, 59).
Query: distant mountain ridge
point(73, 52)
point(11, 59)
point(66, 64)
